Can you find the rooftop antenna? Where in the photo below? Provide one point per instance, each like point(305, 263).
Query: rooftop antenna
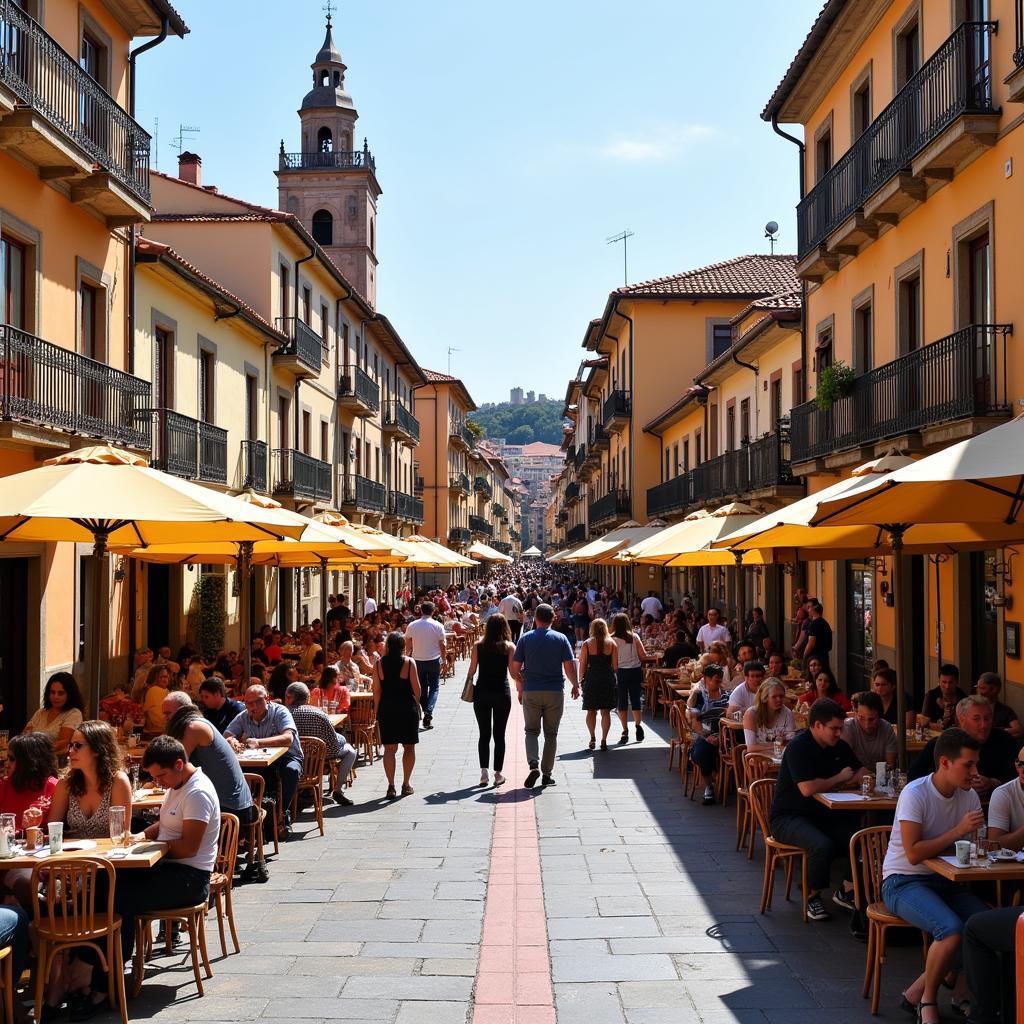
point(771, 231)
point(178, 142)
point(623, 237)
point(156, 142)
point(450, 351)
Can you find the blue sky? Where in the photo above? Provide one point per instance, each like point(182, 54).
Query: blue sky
point(511, 141)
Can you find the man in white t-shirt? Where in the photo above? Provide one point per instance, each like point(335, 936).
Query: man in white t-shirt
point(424, 643)
point(370, 604)
point(933, 813)
point(1006, 809)
point(742, 697)
point(712, 631)
point(650, 605)
point(512, 608)
point(190, 826)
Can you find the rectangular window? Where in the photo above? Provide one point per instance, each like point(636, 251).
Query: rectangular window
point(686, 455)
point(163, 353)
point(325, 449)
point(251, 408)
point(307, 306)
point(721, 339)
point(863, 339)
point(307, 429)
point(861, 109)
point(730, 428)
point(666, 476)
point(282, 298)
point(745, 421)
point(908, 51)
point(89, 342)
point(698, 450)
point(909, 319)
point(776, 400)
point(282, 421)
point(207, 366)
point(675, 459)
point(822, 154)
point(12, 272)
point(798, 384)
point(824, 356)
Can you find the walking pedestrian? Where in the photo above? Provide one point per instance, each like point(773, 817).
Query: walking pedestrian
point(424, 641)
point(490, 661)
point(396, 692)
point(541, 657)
point(599, 658)
point(512, 608)
point(630, 674)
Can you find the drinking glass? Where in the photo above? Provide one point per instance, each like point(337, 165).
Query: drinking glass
point(867, 785)
point(9, 824)
point(117, 826)
point(135, 778)
point(777, 745)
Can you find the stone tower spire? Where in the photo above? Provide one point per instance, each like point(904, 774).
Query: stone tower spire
point(330, 184)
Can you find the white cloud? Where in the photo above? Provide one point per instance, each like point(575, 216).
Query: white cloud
point(658, 145)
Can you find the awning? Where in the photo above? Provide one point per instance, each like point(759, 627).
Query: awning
point(603, 549)
point(486, 553)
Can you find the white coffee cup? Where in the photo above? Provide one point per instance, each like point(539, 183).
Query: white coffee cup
point(56, 834)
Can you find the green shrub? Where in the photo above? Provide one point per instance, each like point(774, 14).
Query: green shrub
point(836, 381)
point(208, 598)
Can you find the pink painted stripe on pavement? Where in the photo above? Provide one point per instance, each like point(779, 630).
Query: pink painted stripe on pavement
point(513, 982)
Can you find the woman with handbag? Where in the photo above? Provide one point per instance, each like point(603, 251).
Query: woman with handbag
point(491, 696)
point(599, 658)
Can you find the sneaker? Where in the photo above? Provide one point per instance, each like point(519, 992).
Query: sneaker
point(639, 734)
point(844, 898)
point(428, 721)
point(816, 909)
point(547, 780)
point(499, 779)
point(484, 778)
point(531, 779)
point(709, 795)
point(342, 800)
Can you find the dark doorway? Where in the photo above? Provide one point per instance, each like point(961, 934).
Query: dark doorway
point(14, 642)
point(919, 642)
point(860, 625)
point(158, 605)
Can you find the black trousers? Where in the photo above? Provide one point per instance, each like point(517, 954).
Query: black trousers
point(164, 886)
point(515, 627)
point(492, 711)
point(988, 947)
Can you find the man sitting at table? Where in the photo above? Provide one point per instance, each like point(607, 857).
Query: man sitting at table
point(934, 812)
point(816, 760)
point(712, 631)
point(1004, 717)
point(1006, 809)
point(870, 737)
point(743, 696)
point(776, 666)
point(745, 652)
point(682, 649)
point(313, 721)
point(263, 724)
point(348, 667)
point(883, 682)
point(218, 708)
point(940, 703)
point(998, 747)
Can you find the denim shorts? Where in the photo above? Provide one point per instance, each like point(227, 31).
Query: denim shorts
point(932, 903)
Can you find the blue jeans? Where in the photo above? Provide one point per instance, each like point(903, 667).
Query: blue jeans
point(932, 903)
point(429, 673)
point(14, 933)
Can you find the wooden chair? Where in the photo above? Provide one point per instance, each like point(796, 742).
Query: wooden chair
point(680, 740)
point(194, 920)
point(254, 830)
point(222, 877)
point(760, 794)
point(726, 774)
point(691, 775)
point(742, 804)
point(6, 966)
point(365, 731)
point(314, 754)
point(867, 855)
point(67, 916)
point(755, 766)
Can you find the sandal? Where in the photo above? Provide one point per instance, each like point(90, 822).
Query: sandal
point(604, 744)
point(624, 738)
point(906, 1005)
point(592, 743)
point(390, 794)
point(920, 1013)
point(407, 790)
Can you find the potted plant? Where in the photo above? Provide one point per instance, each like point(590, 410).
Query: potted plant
point(834, 382)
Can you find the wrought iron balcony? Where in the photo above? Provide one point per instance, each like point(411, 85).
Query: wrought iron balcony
point(358, 391)
point(405, 506)
point(478, 524)
point(188, 447)
point(56, 388)
point(499, 511)
point(572, 493)
point(459, 535)
point(336, 160)
point(482, 486)
point(254, 465)
point(579, 457)
point(599, 442)
point(459, 482)
point(400, 421)
point(673, 495)
point(305, 353)
point(46, 82)
point(299, 475)
point(614, 505)
point(504, 547)
point(363, 494)
point(616, 411)
point(957, 377)
point(576, 534)
point(461, 435)
point(955, 81)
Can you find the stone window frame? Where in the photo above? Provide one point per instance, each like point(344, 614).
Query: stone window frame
point(865, 297)
point(981, 221)
point(31, 238)
point(913, 266)
point(866, 77)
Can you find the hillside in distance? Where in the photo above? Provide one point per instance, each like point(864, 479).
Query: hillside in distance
point(521, 424)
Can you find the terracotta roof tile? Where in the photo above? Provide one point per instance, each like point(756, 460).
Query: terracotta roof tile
point(783, 302)
point(742, 276)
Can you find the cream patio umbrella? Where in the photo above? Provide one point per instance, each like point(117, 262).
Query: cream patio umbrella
point(107, 496)
point(565, 555)
point(430, 555)
point(605, 547)
point(486, 553)
point(532, 552)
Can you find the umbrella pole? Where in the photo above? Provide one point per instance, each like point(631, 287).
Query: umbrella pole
point(100, 618)
point(244, 612)
point(323, 598)
point(741, 611)
point(903, 646)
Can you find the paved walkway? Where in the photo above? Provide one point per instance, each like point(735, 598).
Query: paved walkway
point(428, 910)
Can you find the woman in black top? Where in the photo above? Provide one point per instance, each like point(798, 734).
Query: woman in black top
point(396, 700)
point(492, 699)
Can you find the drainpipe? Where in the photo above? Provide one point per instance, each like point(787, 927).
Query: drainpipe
point(750, 366)
point(803, 284)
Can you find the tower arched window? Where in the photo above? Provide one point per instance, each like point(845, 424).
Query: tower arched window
point(373, 237)
point(325, 77)
point(323, 227)
point(337, 79)
point(325, 140)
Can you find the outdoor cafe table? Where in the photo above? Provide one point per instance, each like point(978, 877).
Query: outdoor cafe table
point(148, 799)
point(1000, 871)
point(916, 745)
point(851, 800)
point(261, 757)
point(337, 720)
point(140, 855)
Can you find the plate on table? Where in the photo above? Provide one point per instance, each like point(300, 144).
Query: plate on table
point(80, 844)
point(1005, 854)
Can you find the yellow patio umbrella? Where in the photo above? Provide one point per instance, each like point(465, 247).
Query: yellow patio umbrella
point(104, 496)
point(486, 553)
point(595, 551)
point(688, 543)
point(430, 555)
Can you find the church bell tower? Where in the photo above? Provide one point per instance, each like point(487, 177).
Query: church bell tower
point(330, 184)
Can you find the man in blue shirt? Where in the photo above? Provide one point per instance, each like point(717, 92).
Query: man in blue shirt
point(542, 655)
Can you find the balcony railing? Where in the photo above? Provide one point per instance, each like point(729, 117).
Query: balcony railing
point(576, 534)
point(580, 457)
point(478, 524)
point(364, 493)
point(397, 417)
point(616, 409)
point(254, 465)
point(613, 504)
point(957, 377)
point(188, 447)
point(459, 535)
point(499, 511)
point(306, 345)
point(49, 80)
point(482, 486)
point(572, 493)
point(598, 440)
point(54, 387)
point(671, 496)
point(405, 506)
point(359, 385)
point(459, 482)
point(301, 476)
point(955, 80)
point(338, 160)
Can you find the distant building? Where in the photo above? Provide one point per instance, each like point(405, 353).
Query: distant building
point(542, 397)
point(515, 396)
point(530, 397)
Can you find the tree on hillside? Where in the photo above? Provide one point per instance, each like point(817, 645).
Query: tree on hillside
point(521, 424)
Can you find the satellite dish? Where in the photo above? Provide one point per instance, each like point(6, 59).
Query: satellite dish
point(771, 228)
